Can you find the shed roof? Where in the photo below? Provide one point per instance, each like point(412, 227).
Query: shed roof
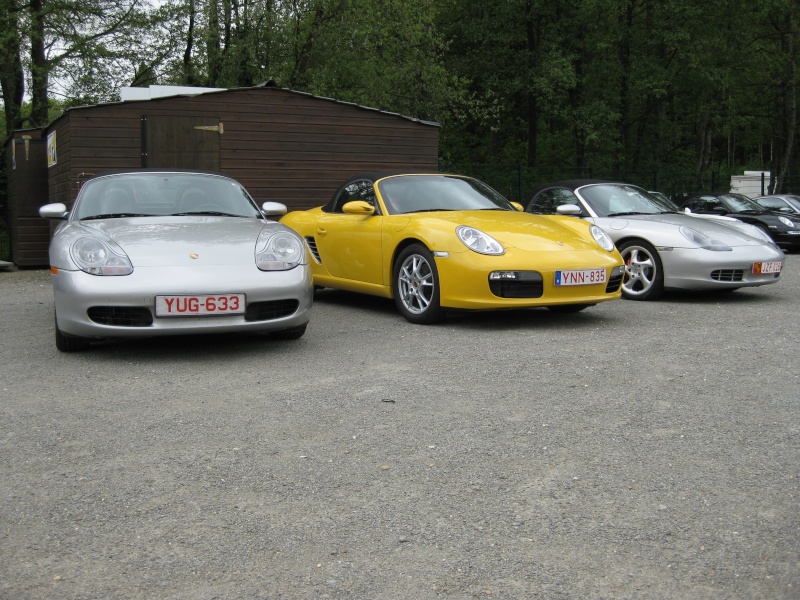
point(264, 86)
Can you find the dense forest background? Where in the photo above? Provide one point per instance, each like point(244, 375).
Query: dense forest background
point(674, 94)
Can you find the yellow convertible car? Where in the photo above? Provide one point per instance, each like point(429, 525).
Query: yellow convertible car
point(437, 241)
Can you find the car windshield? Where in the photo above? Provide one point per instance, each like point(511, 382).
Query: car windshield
point(618, 199)
point(739, 203)
point(424, 193)
point(163, 194)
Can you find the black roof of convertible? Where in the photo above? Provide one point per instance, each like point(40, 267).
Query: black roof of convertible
point(572, 184)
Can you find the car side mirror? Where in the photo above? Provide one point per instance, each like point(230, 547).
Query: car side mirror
point(687, 210)
point(518, 206)
point(784, 209)
point(273, 209)
point(358, 207)
point(57, 210)
point(571, 210)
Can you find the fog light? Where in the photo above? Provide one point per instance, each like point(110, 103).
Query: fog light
point(504, 275)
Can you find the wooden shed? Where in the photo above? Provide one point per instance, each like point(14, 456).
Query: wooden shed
point(282, 145)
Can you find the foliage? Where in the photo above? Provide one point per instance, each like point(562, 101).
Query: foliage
point(611, 86)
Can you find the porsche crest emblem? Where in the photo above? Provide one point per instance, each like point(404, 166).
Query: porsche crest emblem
point(194, 255)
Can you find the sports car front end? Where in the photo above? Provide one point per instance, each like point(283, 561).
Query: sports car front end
point(539, 261)
point(133, 276)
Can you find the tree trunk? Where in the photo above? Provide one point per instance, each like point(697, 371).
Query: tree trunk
point(12, 79)
point(789, 110)
point(39, 67)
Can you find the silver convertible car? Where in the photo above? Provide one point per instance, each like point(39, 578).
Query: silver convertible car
point(151, 253)
point(664, 249)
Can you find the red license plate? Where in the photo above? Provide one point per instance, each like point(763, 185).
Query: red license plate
point(763, 268)
point(199, 306)
point(583, 277)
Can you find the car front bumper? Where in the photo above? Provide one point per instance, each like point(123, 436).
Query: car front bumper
point(464, 278)
point(699, 269)
point(77, 292)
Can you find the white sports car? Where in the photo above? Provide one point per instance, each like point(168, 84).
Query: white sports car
point(150, 253)
point(663, 249)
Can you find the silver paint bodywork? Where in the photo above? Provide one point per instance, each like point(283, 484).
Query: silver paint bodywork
point(687, 266)
point(173, 255)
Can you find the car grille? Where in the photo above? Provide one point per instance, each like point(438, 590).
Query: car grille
point(614, 282)
point(528, 284)
point(121, 316)
point(273, 309)
point(312, 246)
point(727, 275)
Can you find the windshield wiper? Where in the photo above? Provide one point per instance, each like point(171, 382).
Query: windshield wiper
point(629, 213)
point(114, 216)
point(213, 213)
point(428, 210)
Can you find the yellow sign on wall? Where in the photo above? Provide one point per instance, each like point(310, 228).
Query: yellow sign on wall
point(51, 149)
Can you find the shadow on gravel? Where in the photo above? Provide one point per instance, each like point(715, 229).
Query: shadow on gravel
point(737, 297)
point(221, 348)
point(494, 320)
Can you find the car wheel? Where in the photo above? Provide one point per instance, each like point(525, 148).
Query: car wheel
point(644, 275)
point(295, 333)
point(568, 308)
point(416, 286)
point(66, 343)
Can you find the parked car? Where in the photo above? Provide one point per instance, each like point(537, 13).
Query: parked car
point(784, 229)
point(436, 241)
point(153, 253)
point(664, 249)
point(784, 203)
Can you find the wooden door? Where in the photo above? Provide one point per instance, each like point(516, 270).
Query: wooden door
point(179, 142)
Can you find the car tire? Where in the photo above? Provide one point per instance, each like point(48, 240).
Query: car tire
point(568, 308)
point(644, 273)
point(65, 343)
point(295, 333)
point(416, 286)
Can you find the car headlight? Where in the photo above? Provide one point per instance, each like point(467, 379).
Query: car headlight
point(278, 251)
point(96, 257)
point(788, 222)
point(704, 241)
point(601, 237)
point(479, 242)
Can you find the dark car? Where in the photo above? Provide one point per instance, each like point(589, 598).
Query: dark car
point(783, 228)
point(784, 203)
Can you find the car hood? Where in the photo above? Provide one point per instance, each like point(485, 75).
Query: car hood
point(175, 241)
point(524, 231)
point(662, 229)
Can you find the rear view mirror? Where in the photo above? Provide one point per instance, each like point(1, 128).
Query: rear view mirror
point(54, 211)
point(273, 209)
point(358, 207)
point(572, 210)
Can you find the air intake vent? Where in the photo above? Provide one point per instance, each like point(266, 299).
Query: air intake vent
point(614, 282)
point(312, 246)
point(517, 284)
point(727, 275)
point(121, 316)
point(273, 309)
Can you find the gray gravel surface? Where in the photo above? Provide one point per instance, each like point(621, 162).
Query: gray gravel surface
point(634, 450)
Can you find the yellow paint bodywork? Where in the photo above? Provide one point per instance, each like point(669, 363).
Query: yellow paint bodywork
point(357, 253)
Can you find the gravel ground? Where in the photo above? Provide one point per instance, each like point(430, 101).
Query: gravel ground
point(634, 450)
